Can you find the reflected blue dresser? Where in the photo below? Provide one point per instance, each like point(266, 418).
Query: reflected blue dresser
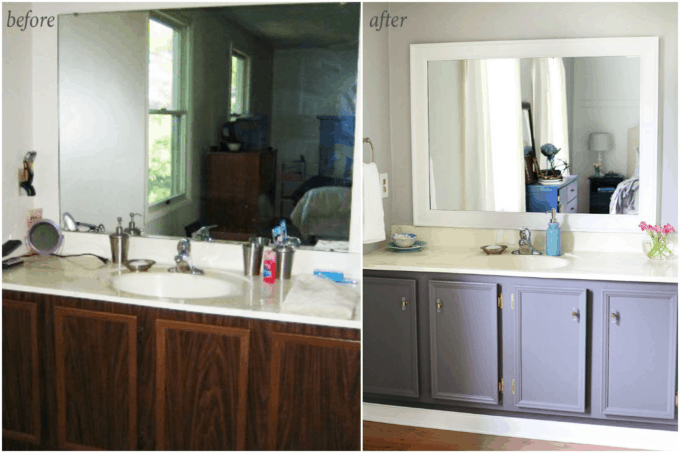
point(543, 198)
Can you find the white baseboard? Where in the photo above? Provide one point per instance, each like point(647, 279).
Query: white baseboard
point(609, 436)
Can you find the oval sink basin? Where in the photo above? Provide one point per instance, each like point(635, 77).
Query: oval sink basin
point(519, 262)
point(177, 286)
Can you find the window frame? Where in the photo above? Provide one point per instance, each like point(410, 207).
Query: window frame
point(246, 83)
point(181, 110)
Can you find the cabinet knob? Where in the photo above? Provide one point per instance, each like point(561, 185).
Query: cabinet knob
point(613, 315)
point(574, 314)
point(404, 303)
point(439, 305)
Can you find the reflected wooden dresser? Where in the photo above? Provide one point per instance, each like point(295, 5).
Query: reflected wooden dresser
point(236, 183)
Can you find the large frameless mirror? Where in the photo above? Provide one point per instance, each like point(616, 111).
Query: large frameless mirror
point(232, 118)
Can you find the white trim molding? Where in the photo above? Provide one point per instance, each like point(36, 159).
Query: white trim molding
point(647, 49)
point(610, 436)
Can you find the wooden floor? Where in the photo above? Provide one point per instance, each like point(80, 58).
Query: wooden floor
point(383, 436)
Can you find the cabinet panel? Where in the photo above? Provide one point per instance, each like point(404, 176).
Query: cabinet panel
point(639, 352)
point(96, 377)
point(315, 393)
point(550, 348)
point(201, 385)
point(21, 387)
point(464, 341)
point(390, 337)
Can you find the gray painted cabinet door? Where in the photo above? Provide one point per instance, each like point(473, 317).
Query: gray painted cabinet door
point(464, 341)
point(390, 339)
point(550, 348)
point(639, 353)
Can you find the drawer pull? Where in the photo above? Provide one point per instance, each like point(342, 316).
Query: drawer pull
point(439, 305)
point(574, 314)
point(404, 303)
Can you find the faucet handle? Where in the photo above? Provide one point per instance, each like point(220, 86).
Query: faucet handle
point(184, 246)
point(524, 233)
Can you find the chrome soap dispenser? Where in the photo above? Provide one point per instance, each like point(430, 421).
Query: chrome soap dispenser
point(119, 244)
point(553, 239)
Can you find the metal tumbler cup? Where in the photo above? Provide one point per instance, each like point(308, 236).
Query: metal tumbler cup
point(252, 259)
point(284, 261)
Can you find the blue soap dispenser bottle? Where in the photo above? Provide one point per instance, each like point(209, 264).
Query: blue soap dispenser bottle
point(553, 239)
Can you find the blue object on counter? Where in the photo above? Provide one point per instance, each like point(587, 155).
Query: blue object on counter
point(553, 240)
point(331, 275)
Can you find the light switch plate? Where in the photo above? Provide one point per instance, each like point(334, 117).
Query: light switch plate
point(384, 183)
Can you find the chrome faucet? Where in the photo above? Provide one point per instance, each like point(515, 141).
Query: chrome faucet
point(183, 260)
point(203, 233)
point(525, 247)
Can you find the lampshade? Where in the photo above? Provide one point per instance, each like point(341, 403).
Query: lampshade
point(598, 141)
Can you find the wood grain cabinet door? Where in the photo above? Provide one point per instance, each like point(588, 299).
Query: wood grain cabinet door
point(315, 393)
point(639, 353)
point(390, 337)
point(201, 386)
point(550, 348)
point(96, 378)
point(21, 400)
point(464, 341)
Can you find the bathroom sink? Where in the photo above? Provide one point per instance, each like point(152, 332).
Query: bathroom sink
point(178, 286)
point(518, 262)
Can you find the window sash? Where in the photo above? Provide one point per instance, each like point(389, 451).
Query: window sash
point(179, 114)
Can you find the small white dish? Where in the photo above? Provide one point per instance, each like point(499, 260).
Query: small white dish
point(391, 246)
point(404, 240)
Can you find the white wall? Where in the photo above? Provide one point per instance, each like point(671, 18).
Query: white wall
point(17, 136)
point(461, 22)
point(376, 103)
point(102, 97)
point(606, 98)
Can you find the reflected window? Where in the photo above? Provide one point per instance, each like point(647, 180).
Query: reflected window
point(167, 112)
point(239, 83)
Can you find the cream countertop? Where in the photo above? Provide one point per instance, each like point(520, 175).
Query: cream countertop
point(87, 277)
point(580, 265)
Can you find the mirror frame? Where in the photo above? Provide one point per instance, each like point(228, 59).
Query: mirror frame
point(647, 49)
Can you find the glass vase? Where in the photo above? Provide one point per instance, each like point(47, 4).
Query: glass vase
point(656, 248)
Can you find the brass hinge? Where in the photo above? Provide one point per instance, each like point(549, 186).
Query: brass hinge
point(513, 386)
point(500, 386)
point(500, 301)
point(512, 301)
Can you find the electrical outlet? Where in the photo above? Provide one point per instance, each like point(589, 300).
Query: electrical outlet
point(385, 185)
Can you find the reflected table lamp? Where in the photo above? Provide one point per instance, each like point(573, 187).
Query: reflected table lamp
point(599, 142)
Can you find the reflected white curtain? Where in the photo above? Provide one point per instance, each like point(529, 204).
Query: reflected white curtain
point(550, 107)
point(492, 143)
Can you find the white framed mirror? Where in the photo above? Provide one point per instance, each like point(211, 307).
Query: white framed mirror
point(595, 100)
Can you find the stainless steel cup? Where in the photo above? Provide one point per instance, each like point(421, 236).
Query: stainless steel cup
point(261, 240)
point(119, 249)
point(252, 259)
point(284, 261)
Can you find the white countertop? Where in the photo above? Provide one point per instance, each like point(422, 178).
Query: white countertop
point(87, 277)
point(627, 267)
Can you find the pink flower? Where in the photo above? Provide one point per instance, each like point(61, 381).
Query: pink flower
point(667, 229)
point(643, 225)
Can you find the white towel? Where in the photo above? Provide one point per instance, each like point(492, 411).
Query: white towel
point(315, 296)
point(374, 217)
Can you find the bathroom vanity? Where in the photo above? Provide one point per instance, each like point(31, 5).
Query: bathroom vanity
point(583, 342)
point(85, 367)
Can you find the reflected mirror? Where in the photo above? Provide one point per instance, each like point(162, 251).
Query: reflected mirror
point(532, 134)
point(231, 118)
